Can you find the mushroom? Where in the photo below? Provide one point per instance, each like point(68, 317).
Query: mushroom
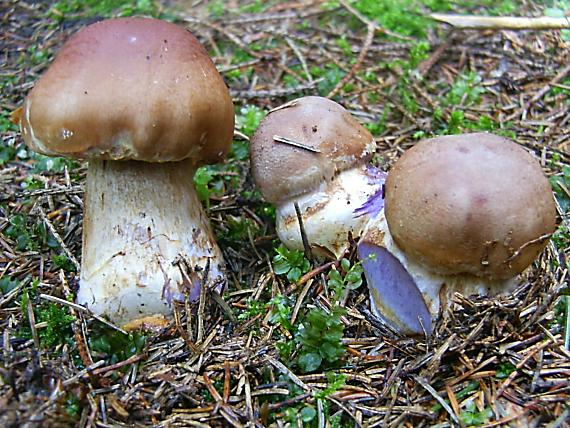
point(463, 213)
point(142, 101)
point(313, 153)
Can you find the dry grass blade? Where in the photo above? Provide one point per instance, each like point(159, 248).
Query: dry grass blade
point(503, 22)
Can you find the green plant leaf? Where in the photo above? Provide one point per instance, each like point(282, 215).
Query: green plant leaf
point(7, 284)
point(310, 361)
point(308, 413)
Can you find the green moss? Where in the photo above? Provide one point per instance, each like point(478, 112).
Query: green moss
point(104, 8)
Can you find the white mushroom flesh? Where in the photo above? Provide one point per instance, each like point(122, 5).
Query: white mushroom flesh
point(327, 213)
point(140, 220)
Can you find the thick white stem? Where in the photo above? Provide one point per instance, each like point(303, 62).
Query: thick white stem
point(327, 213)
point(140, 219)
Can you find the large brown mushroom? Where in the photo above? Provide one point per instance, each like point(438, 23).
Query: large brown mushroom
point(141, 99)
point(463, 213)
point(312, 152)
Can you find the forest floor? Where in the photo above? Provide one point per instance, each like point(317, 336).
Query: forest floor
point(237, 361)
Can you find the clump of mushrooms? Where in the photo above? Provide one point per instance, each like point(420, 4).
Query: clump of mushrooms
point(141, 99)
point(464, 213)
point(312, 153)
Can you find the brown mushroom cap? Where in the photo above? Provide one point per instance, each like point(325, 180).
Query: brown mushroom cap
point(283, 171)
point(131, 88)
point(475, 203)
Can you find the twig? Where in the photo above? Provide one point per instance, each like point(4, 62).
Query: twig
point(239, 66)
point(32, 322)
point(283, 369)
point(559, 76)
point(128, 361)
point(299, 55)
point(82, 373)
point(312, 274)
point(225, 410)
point(201, 306)
point(520, 364)
point(425, 66)
point(506, 419)
point(217, 297)
point(273, 17)
point(526, 244)
point(248, 395)
point(502, 22)
point(567, 330)
point(58, 238)
point(274, 93)
point(82, 309)
point(306, 245)
point(288, 104)
point(320, 414)
point(76, 325)
point(473, 370)
point(357, 64)
point(435, 395)
point(74, 190)
point(300, 299)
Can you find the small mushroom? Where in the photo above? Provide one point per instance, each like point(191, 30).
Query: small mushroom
point(141, 99)
point(312, 152)
point(463, 213)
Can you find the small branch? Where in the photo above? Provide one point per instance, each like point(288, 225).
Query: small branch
point(538, 240)
point(274, 93)
point(283, 369)
point(358, 64)
point(32, 321)
point(502, 22)
point(300, 56)
point(217, 297)
point(435, 395)
point(306, 245)
point(58, 238)
point(559, 76)
point(288, 104)
point(131, 360)
point(299, 302)
point(425, 66)
point(73, 190)
point(76, 325)
point(82, 309)
point(311, 274)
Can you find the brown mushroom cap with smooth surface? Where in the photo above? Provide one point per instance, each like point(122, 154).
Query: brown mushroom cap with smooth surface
point(339, 142)
point(131, 88)
point(142, 101)
point(476, 204)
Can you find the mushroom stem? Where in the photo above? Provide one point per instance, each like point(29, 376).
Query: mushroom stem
point(328, 213)
point(139, 219)
point(389, 269)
